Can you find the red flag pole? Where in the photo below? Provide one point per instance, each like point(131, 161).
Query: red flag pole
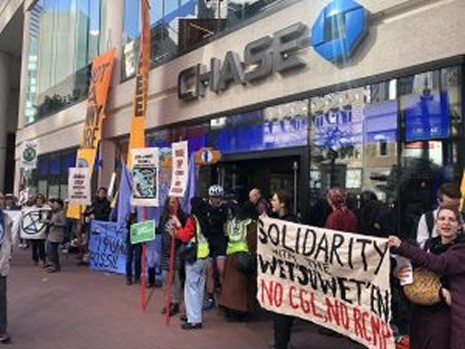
point(143, 289)
point(170, 280)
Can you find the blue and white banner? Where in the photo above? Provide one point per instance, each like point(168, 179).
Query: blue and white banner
point(107, 247)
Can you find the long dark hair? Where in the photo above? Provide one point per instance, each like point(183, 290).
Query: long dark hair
point(165, 216)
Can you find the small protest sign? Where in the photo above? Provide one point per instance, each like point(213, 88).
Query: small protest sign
point(142, 232)
point(79, 192)
point(179, 169)
point(145, 177)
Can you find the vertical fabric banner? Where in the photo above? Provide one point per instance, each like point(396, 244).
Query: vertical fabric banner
point(137, 130)
point(102, 69)
point(335, 279)
point(179, 169)
point(145, 177)
point(79, 192)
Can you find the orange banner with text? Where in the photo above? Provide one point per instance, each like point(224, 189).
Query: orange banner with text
point(137, 130)
point(101, 72)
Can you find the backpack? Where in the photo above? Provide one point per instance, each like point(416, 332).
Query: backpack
point(429, 218)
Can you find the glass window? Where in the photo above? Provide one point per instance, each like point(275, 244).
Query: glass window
point(276, 127)
point(64, 37)
point(180, 25)
point(431, 118)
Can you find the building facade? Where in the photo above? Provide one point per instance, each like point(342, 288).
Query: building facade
point(295, 94)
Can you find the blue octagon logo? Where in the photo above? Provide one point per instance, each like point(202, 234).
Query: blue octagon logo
point(339, 29)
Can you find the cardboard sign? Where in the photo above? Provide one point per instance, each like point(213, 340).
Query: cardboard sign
point(179, 169)
point(145, 177)
point(79, 191)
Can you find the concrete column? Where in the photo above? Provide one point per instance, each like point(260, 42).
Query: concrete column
point(112, 33)
point(22, 89)
point(4, 93)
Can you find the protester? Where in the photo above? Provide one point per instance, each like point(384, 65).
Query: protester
point(5, 257)
point(56, 231)
point(2, 200)
point(261, 204)
point(196, 268)
point(100, 208)
point(217, 241)
point(133, 253)
point(280, 206)
point(341, 218)
point(38, 242)
point(10, 203)
point(166, 228)
point(448, 195)
point(238, 296)
point(430, 327)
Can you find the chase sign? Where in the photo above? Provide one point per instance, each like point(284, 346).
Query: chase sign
point(335, 35)
point(339, 29)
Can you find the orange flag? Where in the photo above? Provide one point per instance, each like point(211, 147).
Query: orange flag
point(102, 69)
point(137, 131)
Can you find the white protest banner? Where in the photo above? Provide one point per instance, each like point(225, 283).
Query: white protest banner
point(179, 171)
point(33, 223)
point(29, 155)
point(79, 192)
point(145, 177)
point(335, 279)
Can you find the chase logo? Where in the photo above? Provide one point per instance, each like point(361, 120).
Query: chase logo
point(339, 29)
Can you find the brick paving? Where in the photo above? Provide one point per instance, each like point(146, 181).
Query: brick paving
point(78, 309)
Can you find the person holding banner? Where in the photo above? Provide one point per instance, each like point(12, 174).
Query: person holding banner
point(5, 257)
point(38, 216)
point(280, 207)
point(166, 228)
point(435, 327)
point(196, 261)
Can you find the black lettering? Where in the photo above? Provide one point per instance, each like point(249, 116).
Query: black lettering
point(257, 53)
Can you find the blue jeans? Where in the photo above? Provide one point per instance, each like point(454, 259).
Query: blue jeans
point(194, 290)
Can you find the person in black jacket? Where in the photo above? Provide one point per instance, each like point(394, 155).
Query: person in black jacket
point(100, 208)
point(280, 207)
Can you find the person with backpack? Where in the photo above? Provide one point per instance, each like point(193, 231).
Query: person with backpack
point(196, 253)
point(448, 195)
point(238, 296)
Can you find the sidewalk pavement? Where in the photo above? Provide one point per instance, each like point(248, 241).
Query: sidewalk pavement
point(78, 308)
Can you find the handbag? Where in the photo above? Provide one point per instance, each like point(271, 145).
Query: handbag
point(246, 262)
point(425, 288)
point(188, 252)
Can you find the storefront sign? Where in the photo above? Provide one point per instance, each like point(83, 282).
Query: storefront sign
point(271, 54)
point(335, 279)
point(79, 192)
point(179, 168)
point(143, 232)
point(337, 32)
point(29, 155)
point(145, 177)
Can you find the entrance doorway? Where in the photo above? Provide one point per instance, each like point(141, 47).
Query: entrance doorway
point(267, 174)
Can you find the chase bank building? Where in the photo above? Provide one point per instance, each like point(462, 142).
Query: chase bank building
point(295, 94)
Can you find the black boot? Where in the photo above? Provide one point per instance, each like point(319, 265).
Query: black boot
point(151, 277)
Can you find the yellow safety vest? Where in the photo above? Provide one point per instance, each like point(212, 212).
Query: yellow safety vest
point(237, 236)
point(203, 250)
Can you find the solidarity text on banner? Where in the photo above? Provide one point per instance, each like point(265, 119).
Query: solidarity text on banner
point(335, 279)
point(102, 68)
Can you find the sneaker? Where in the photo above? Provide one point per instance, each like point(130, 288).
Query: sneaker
point(209, 304)
point(5, 338)
point(189, 326)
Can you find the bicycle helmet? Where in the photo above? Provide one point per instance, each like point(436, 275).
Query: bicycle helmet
point(216, 191)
